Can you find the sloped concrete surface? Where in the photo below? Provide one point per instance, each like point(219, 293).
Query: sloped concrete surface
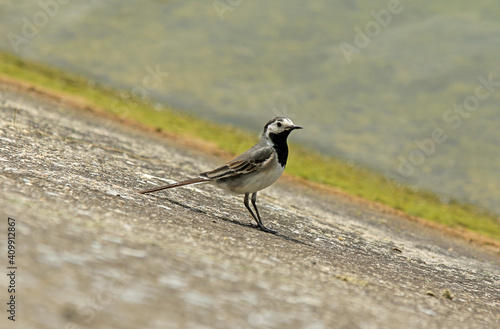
point(92, 253)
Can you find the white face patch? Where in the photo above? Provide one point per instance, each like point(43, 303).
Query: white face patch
point(279, 126)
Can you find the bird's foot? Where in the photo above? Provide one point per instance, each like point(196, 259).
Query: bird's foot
point(267, 230)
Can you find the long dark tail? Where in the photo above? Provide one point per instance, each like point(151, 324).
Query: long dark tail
point(183, 183)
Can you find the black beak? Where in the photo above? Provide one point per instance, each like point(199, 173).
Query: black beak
point(297, 127)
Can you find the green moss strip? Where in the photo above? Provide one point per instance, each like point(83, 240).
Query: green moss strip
point(303, 162)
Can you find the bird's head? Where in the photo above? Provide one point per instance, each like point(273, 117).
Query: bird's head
point(279, 127)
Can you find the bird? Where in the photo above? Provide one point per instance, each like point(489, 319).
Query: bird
point(252, 171)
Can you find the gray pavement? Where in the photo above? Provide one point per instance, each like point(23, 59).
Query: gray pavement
point(91, 253)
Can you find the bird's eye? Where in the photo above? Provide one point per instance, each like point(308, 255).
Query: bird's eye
point(279, 124)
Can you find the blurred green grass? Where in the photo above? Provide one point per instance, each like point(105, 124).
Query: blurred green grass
point(303, 162)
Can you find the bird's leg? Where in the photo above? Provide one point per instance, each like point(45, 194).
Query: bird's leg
point(259, 221)
point(248, 207)
point(254, 200)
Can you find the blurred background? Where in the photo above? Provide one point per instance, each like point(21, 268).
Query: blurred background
point(407, 88)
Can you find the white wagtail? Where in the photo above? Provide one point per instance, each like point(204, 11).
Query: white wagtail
point(252, 171)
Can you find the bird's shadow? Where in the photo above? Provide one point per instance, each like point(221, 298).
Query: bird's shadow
point(185, 206)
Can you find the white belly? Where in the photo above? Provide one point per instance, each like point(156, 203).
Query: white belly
point(252, 183)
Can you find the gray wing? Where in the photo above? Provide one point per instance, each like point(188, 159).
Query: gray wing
point(246, 163)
